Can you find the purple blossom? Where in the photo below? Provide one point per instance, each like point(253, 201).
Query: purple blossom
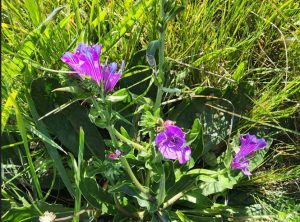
point(249, 144)
point(114, 155)
point(86, 61)
point(172, 144)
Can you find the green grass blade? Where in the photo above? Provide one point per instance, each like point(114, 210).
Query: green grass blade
point(51, 151)
point(33, 11)
point(6, 110)
point(22, 129)
point(77, 168)
point(45, 138)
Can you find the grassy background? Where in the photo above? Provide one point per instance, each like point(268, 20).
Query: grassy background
point(247, 50)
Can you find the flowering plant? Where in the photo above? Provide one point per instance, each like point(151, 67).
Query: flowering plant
point(142, 166)
point(167, 153)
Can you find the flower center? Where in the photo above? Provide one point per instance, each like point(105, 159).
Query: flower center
point(174, 142)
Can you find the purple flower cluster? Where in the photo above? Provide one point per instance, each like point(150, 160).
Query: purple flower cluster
point(249, 144)
point(86, 61)
point(172, 144)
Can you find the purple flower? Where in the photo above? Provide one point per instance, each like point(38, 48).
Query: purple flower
point(110, 77)
point(249, 144)
point(172, 144)
point(86, 61)
point(114, 155)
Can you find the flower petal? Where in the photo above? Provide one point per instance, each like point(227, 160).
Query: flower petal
point(160, 138)
point(175, 130)
point(110, 78)
point(184, 155)
point(168, 153)
point(86, 61)
point(249, 144)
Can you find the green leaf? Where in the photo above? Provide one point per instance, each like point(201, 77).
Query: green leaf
point(6, 109)
point(44, 138)
point(71, 89)
point(182, 217)
point(185, 183)
point(94, 194)
point(171, 90)
point(132, 191)
point(222, 182)
point(115, 99)
point(55, 156)
point(126, 24)
point(195, 139)
point(65, 124)
point(239, 72)
point(124, 133)
point(162, 188)
point(195, 199)
point(210, 158)
point(150, 53)
point(205, 178)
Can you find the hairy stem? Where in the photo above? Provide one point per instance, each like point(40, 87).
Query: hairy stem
point(128, 141)
point(132, 176)
point(161, 58)
point(172, 200)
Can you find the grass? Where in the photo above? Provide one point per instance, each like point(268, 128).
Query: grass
point(248, 51)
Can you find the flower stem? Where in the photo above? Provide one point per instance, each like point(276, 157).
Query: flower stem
point(172, 200)
point(161, 57)
point(176, 197)
point(132, 176)
point(128, 141)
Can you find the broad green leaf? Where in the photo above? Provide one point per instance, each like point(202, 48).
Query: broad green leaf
point(162, 188)
point(221, 183)
point(151, 51)
point(185, 183)
point(195, 199)
point(65, 124)
point(195, 139)
point(53, 153)
point(132, 191)
point(94, 194)
point(70, 89)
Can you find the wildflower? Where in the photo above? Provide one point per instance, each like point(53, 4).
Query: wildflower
point(86, 61)
point(47, 217)
point(168, 123)
point(172, 144)
point(114, 155)
point(249, 144)
point(110, 77)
